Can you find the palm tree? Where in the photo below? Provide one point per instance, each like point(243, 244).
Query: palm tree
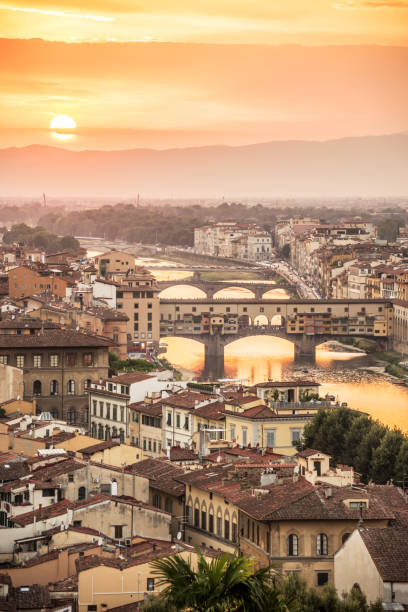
point(223, 584)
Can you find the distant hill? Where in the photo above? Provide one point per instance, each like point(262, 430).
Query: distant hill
point(366, 166)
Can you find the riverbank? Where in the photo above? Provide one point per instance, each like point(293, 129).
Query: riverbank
point(389, 360)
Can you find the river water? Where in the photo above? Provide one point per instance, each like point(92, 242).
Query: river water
point(260, 358)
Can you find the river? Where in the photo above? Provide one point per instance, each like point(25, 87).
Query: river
point(261, 358)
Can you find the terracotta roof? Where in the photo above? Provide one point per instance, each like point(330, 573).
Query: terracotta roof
point(154, 409)
point(214, 411)
point(58, 468)
point(238, 398)
point(388, 548)
point(187, 399)
point(129, 378)
point(182, 454)
point(161, 474)
point(301, 501)
point(44, 513)
point(100, 446)
point(271, 384)
point(308, 452)
point(57, 338)
point(33, 597)
point(13, 470)
point(27, 324)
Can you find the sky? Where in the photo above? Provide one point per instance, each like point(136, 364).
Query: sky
point(175, 73)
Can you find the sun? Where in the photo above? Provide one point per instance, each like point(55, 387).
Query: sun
point(62, 127)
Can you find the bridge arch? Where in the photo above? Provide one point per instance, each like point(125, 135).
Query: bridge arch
point(261, 319)
point(175, 291)
point(222, 293)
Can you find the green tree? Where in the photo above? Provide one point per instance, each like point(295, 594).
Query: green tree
point(401, 464)
point(224, 584)
point(388, 228)
point(383, 463)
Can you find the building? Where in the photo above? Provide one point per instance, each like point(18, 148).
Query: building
point(24, 281)
point(114, 262)
point(58, 366)
point(375, 561)
point(178, 412)
point(233, 240)
point(297, 527)
point(137, 296)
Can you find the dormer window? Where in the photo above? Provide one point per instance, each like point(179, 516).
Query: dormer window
point(358, 504)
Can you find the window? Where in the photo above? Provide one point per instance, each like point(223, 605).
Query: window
point(168, 504)
point(234, 532)
point(54, 387)
point(81, 493)
point(219, 526)
point(321, 544)
point(196, 517)
point(322, 578)
point(226, 529)
point(169, 418)
point(232, 432)
point(87, 383)
point(244, 436)
point(71, 387)
point(270, 437)
point(118, 532)
point(70, 478)
point(48, 492)
point(114, 412)
point(203, 520)
point(94, 406)
point(20, 361)
point(71, 359)
point(54, 359)
point(295, 433)
point(92, 608)
point(156, 501)
point(189, 515)
point(211, 523)
point(4, 359)
point(292, 548)
point(186, 423)
point(37, 387)
point(358, 504)
point(177, 420)
point(122, 414)
point(150, 584)
point(87, 359)
point(37, 361)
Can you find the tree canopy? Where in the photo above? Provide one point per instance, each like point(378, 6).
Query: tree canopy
point(375, 451)
point(40, 238)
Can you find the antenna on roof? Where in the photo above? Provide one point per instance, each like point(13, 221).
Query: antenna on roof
point(45, 201)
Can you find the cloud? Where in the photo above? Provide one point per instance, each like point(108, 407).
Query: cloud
point(57, 13)
point(351, 5)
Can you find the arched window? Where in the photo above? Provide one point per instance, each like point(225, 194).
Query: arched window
point(234, 528)
point(100, 432)
point(122, 436)
point(344, 537)
point(219, 523)
point(226, 525)
point(54, 387)
point(204, 516)
point(81, 493)
point(93, 430)
point(107, 433)
point(196, 514)
point(293, 545)
point(189, 511)
point(321, 544)
point(114, 487)
point(87, 383)
point(37, 387)
point(71, 387)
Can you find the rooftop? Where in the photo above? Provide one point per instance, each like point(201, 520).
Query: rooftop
point(55, 338)
point(388, 548)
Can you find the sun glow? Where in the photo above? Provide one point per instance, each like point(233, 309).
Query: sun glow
point(62, 127)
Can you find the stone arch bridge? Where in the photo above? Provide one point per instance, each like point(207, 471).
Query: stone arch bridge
point(176, 317)
point(210, 288)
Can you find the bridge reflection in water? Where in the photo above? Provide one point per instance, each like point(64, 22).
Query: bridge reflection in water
point(255, 357)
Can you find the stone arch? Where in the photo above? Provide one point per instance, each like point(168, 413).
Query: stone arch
point(261, 320)
point(278, 320)
point(184, 285)
point(196, 513)
point(249, 293)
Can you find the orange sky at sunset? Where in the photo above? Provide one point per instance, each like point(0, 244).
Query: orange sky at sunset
point(165, 73)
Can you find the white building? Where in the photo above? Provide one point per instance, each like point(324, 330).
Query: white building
point(376, 561)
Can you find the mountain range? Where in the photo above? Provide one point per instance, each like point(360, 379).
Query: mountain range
point(372, 166)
